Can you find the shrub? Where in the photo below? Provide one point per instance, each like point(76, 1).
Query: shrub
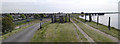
point(10, 17)
point(7, 24)
point(23, 16)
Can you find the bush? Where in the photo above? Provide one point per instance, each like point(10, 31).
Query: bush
point(7, 24)
point(10, 17)
point(23, 16)
point(37, 16)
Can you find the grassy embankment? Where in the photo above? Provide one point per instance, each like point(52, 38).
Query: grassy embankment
point(19, 29)
point(96, 36)
point(58, 32)
point(113, 31)
point(22, 22)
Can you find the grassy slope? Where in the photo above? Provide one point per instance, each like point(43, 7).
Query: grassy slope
point(114, 32)
point(21, 23)
point(93, 34)
point(57, 32)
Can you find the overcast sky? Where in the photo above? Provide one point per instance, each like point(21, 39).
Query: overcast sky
point(59, 5)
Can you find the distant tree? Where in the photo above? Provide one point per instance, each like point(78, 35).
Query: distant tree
point(10, 17)
point(37, 16)
point(42, 15)
point(23, 16)
point(82, 12)
point(7, 24)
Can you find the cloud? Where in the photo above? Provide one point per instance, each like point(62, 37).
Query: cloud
point(19, 0)
point(59, 5)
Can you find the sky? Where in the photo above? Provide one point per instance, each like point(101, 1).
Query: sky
point(22, 6)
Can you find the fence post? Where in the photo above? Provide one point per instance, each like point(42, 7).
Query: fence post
point(85, 17)
point(40, 25)
point(90, 19)
point(66, 18)
point(109, 24)
point(52, 18)
point(69, 17)
point(97, 19)
point(55, 18)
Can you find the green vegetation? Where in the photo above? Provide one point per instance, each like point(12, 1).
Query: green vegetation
point(17, 30)
point(14, 31)
point(7, 25)
point(23, 16)
point(38, 16)
point(96, 36)
point(58, 32)
point(23, 22)
point(114, 32)
point(10, 17)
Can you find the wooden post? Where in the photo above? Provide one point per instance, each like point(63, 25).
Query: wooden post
point(85, 17)
point(90, 19)
point(69, 17)
point(66, 18)
point(52, 18)
point(40, 25)
point(91, 16)
point(109, 24)
point(97, 19)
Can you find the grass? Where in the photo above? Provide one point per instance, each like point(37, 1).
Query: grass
point(0, 18)
point(23, 22)
point(58, 32)
point(96, 36)
point(114, 32)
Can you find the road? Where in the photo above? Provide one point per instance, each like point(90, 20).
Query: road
point(24, 35)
